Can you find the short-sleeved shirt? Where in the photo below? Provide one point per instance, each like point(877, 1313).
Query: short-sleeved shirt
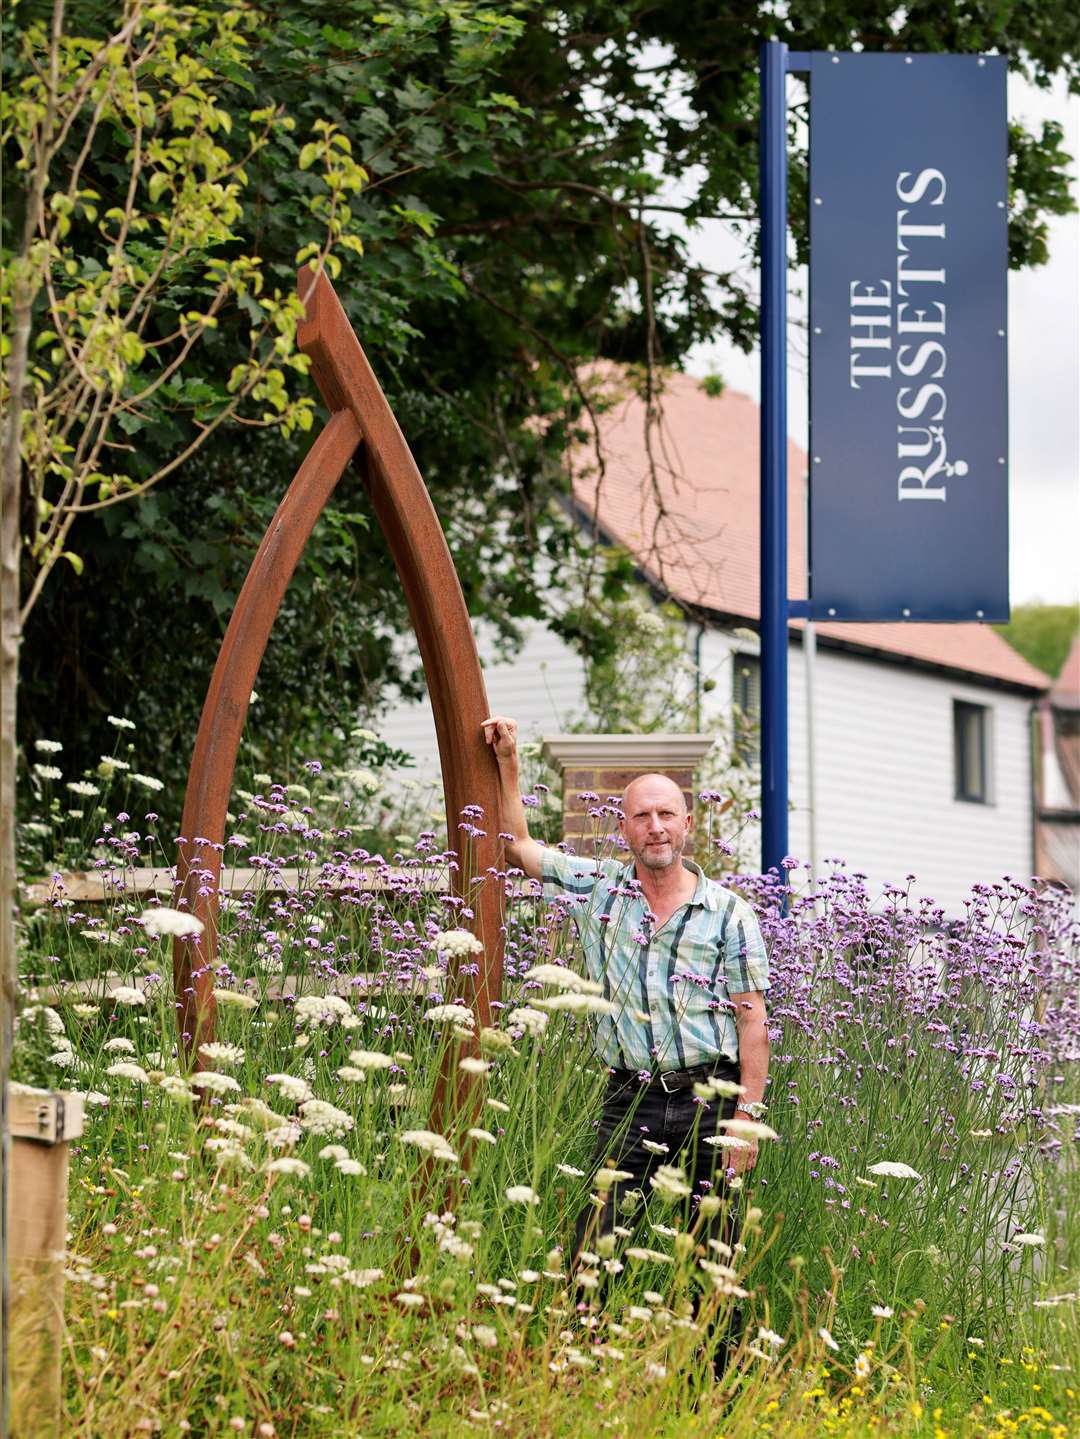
point(670, 987)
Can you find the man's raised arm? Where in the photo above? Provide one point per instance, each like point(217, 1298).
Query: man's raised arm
point(501, 734)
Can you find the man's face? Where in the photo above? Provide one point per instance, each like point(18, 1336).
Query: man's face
point(656, 823)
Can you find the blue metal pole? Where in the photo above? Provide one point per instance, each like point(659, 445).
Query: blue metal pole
point(774, 604)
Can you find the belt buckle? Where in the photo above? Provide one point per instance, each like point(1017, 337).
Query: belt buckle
point(664, 1079)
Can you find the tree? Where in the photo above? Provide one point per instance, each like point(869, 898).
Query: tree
point(1043, 634)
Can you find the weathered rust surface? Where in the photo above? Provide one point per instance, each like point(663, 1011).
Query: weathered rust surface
point(399, 498)
point(447, 646)
point(198, 862)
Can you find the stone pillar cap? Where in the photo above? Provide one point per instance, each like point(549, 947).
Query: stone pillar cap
point(626, 751)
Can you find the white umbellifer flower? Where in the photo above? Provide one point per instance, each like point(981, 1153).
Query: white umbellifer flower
point(829, 1342)
point(654, 1147)
point(410, 1300)
point(561, 978)
point(119, 1045)
point(126, 994)
point(333, 1151)
point(63, 1058)
point(163, 920)
point(318, 1117)
point(725, 1088)
point(485, 1335)
point(85, 1011)
point(322, 1009)
point(109, 766)
point(83, 787)
point(49, 1017)
point(226, 1054)
point(533, 1021)
point(726, 1141)
point(483, 1134)
point(649, 1256)
point(578, 1004)
point(430, 1142)
point(496, 1041)
point(457, 943)
point(450, 1014)
point(351, 1075)
point(118, 723)
point(881, 1311)
point(606, 1177)
point(234, 1129)
point(569, 1170)
point(522, 1194)
point(290, 1086)
point(769, 1336)
point(48, 771)
point(1030, 1241)
point(235, 998)
point(498, 1105)
point(670, 1182)
point(748, 1129)
point(471, 1064)
point(148, 781)
point(124, 1069)
point(288, 1164)
point(175, 1087)
point(893, 1169)
point(370, 1059)
point(350, 1166)
point(216, 1083)
point(48, 746)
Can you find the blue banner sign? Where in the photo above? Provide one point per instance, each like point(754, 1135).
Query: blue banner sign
point(908, 397)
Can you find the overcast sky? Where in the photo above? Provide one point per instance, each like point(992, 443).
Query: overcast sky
point(1044, 380)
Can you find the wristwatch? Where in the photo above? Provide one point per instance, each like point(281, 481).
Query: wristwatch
point(756, 1109)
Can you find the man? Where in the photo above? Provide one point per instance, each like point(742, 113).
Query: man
point(682, 961)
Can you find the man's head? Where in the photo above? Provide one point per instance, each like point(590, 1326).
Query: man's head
point(655, 821)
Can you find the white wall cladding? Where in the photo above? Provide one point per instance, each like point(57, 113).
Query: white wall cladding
point(884, 757)
point(542, 688)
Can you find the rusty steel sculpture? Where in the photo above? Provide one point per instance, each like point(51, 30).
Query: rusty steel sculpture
point(361, 429)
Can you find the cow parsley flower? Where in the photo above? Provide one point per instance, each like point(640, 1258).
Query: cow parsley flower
point(163, 920)
point(83, 787)
point(48, 771)
point(125, 1069)
point(457, 943)
point(432, 1143)
point(226, 1054)
point(532, 1021)
point(216, 1083)
point(522, 1194)
point(148, 781)
point(48, 746)
point(119, 1045)
point(370, 1059)
point(324, 1009)
point(118, 723)
point(289, 1164)
point(560, 978)
point(319, 1117)
point(578, 1004)
point(893, 1169)
point(450, 1014)
point(290, 1086)
point(234, 998)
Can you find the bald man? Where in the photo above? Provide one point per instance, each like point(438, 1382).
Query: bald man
point(682, 961)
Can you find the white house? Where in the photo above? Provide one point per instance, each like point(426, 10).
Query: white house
point(921, 735)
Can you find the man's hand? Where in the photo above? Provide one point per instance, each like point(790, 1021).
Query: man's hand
point(501, 734)
point(740, 1160)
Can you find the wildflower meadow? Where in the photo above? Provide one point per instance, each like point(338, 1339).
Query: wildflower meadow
point(279, 1244)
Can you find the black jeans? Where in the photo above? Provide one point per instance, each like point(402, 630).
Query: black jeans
point(634, 1113)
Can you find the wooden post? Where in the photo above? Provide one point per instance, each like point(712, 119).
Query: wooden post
point(41, 1125)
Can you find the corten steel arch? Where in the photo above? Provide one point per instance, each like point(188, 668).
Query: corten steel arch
point(362, 428)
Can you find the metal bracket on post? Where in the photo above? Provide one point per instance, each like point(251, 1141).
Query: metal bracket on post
point(773, 577)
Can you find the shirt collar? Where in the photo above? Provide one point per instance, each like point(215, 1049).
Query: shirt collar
point(704, 892)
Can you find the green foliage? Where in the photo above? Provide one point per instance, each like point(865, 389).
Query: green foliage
point(1043, 634)
point(483, 180)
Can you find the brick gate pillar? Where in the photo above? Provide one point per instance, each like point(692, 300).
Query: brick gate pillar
point(604, 764)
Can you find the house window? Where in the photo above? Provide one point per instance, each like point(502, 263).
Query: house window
point(746, 708)
point(971, 726)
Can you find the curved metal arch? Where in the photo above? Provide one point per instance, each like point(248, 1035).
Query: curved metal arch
point(362, 428)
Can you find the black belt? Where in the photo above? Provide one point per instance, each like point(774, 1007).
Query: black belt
point(671, 1081)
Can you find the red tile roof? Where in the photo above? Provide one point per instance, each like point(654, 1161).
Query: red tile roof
point(1066, 691)
point(694, 530)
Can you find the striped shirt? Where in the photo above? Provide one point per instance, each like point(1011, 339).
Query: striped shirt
point(670, 987)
